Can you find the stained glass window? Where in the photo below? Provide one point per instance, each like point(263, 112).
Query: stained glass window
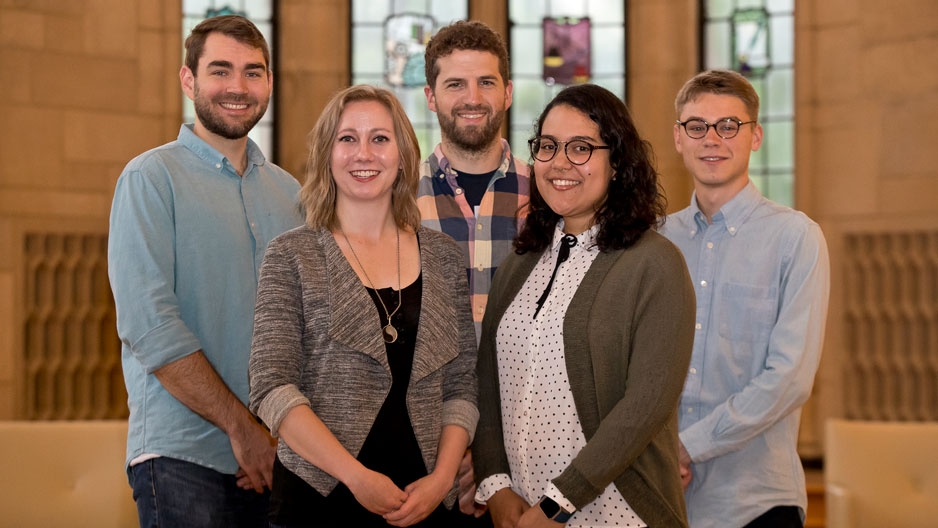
point(604, 24)
point(756, 38)
point(261, 13)
point(388, 40)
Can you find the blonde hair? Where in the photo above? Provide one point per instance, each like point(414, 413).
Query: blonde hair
point(719, 82)
point(318, 194)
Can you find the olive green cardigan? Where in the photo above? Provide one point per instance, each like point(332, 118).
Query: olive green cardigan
point(628, 334)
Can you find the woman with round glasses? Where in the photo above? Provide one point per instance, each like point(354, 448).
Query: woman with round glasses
point(587, 335)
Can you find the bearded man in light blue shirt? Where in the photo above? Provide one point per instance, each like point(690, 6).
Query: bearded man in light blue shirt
point(189, 226)
point(762, 278)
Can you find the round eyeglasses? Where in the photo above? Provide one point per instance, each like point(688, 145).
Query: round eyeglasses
point(726, 128)
point(577, 151)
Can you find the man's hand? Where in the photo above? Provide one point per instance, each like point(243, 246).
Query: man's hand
point(685, 462)
point(194, 382)
point(254, 449)
point(506, 508)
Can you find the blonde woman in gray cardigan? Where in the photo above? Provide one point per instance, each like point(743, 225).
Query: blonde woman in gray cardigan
point(587, 335)
point(372, 411)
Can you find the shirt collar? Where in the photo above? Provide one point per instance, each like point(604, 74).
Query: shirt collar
point(203, 150)
point(585, 241)
point(446, 169)
point(733, 214)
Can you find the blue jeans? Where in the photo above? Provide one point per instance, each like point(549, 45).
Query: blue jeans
point(171, 492)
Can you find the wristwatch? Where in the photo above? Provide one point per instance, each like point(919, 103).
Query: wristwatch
point(553, 511)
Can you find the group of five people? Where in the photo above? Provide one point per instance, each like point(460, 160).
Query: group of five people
point(326, 355)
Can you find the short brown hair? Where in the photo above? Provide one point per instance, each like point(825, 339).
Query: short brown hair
point(464, 35)
point(234, 26)
point(719, 82)
point(318, 194)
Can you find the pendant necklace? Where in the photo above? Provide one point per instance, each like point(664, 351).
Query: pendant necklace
point(388, 331)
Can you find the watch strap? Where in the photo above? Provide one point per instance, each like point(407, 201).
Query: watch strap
point(553, 511)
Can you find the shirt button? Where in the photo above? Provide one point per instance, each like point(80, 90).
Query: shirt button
point(458, 191)
point(218, 165)
point(693, 370)
point(690, 409)
point(709, 245)
point(732, 230)
point(698, 326)
point(481, 310)
point(703, 284)
point(479, 226)
point(481, 268)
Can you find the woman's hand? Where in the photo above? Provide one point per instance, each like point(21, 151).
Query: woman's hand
point(423, 496)
point(376, 492)
point(535, 518)
point(506, 508)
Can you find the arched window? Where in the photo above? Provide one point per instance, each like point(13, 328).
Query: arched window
point(756, 38)
point(261, 13)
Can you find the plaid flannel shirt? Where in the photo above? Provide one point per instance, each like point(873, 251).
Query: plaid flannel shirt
point(486, 239)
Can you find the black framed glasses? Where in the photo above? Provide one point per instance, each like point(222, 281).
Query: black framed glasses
point(577, 151)
point(726, 128)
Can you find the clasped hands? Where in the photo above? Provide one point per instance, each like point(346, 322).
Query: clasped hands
point(378, 494)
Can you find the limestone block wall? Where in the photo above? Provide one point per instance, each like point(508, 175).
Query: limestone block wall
point(87, 86)
point(867, 121)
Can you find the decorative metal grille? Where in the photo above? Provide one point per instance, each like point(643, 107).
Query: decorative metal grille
point(71, 367)
point(890, 366)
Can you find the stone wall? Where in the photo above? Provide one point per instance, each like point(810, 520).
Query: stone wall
point(87, 86)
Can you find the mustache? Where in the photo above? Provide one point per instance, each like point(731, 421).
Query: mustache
point(473, 108)
point(234, 98)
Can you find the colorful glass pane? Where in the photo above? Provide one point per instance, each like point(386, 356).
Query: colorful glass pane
point(756, 38)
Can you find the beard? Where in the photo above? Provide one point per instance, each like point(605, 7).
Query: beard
point(215, 123)
point(471, 138)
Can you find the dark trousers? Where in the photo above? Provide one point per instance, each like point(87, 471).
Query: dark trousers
point(172, 492)
point(778, 517)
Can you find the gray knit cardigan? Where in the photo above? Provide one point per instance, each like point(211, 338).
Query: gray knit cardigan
point(628, 334)
point(317, 342)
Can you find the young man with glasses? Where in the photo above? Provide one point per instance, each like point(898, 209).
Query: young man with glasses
point(762, 279)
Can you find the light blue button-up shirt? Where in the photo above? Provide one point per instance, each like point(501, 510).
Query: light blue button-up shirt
point(187, 237)
point(762, 278)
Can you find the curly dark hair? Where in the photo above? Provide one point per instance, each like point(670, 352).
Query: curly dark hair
point(635, 201)
point(464, 35)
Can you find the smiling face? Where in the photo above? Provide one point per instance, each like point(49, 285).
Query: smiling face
point(230, 90)
point(470, 99)
point(575, 192)
point(718, 165)
point(365, 159)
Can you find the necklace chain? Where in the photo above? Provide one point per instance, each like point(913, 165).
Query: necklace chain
point(388, 331)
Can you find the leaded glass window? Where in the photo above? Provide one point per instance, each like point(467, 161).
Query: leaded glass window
point(261, 13)
point(532, 91)
point(388, 41)
point(756, 38)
